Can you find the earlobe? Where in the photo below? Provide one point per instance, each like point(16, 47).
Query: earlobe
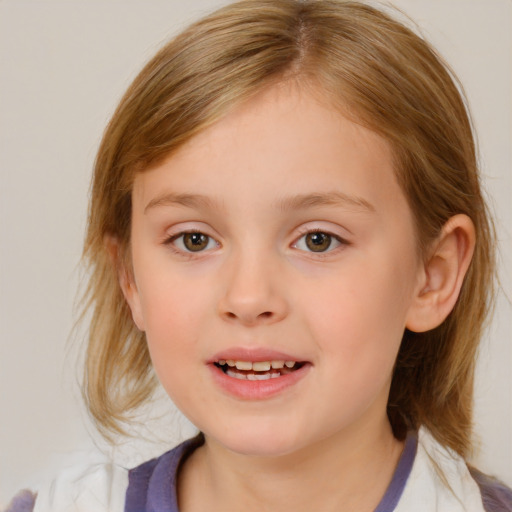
point(125, 279)
point(443, 275)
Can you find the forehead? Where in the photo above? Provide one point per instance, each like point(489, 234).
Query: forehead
point(284, 138)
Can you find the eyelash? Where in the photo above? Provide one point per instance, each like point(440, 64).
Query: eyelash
point(321, 254)
point(184, 252)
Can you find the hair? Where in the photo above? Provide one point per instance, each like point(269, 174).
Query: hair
point(375, 70)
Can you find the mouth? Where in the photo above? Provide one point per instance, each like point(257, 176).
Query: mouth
point(257, 373)
point(257, 370)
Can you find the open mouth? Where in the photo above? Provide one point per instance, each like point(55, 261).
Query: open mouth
point(257, 370)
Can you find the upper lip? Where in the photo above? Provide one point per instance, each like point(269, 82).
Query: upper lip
point(252, 354)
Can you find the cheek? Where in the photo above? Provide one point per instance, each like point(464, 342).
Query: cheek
point(171, 312)
point(360, 320)
point(171, 331)
point(179, 313)
point(167, 297)
point(171, 308)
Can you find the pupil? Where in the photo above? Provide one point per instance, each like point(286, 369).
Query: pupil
point(195, 241)
point(318, 242)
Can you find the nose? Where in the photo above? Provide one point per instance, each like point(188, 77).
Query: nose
point(253, 291)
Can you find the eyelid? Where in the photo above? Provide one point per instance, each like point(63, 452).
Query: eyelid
point(303, 231)
point(182, 228)
point(170, 238)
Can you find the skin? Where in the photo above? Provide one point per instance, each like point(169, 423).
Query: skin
point(257, 283)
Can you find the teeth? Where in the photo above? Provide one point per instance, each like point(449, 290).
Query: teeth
point(236, 375)
point(261, 366)
point(243, 365)
point(253, 376)
point(257, 366)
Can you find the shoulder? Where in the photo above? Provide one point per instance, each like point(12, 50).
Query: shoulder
point(24, 501)
point(98, 487)
point(440, 478)
point(496, 496)
point(152, 485)
point(107, 487)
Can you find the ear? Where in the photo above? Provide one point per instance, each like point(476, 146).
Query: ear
point(443, 275)
point(125, 278)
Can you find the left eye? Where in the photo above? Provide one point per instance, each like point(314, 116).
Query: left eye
point(317, 241)
point(193, 242)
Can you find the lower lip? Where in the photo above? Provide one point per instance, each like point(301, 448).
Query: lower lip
point(257, 389)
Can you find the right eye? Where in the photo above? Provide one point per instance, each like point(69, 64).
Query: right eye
point(193, 241)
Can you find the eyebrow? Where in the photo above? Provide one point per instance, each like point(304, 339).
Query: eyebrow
point(315, 199)
point(296, 202)
point(196, 201)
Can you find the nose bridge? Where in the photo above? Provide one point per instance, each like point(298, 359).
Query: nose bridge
point(253, 292)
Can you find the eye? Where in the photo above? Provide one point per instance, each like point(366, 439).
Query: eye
point(318, 241)
point(193, 241)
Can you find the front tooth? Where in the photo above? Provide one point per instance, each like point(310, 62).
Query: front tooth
point(236, 375)
point(230, 362)
point(277, 364)
point(259, 376)
point(262, 376)
point(243, 365)
point(261, 366)
point(289, 364)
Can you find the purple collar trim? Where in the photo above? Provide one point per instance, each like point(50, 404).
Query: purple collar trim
point(152, 485)
point(396, 487)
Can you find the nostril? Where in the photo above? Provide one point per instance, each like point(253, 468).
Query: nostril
point(266, 315)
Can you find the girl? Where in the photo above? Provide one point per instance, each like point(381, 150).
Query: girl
point(286, 225)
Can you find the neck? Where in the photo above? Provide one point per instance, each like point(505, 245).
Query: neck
point(345, 472)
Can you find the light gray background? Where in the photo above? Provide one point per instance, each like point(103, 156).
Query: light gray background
point(63, 67)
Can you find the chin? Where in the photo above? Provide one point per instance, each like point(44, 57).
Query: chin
point(258, 448)
point(258, 442)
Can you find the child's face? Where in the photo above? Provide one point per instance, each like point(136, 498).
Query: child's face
point(304, 250)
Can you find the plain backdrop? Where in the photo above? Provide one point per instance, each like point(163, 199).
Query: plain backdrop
point(63, 67)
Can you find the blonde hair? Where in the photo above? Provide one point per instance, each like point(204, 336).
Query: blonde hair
point(374, 69)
